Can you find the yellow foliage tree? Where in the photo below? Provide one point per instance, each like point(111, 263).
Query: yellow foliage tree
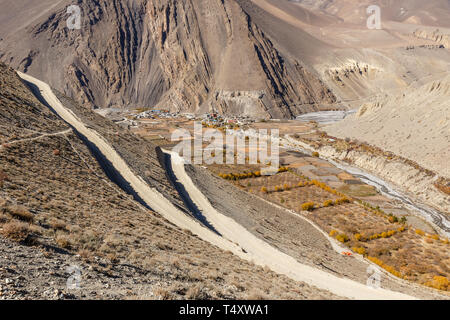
point(308, 206)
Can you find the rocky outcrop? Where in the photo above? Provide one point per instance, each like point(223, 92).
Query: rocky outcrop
point(436, 36)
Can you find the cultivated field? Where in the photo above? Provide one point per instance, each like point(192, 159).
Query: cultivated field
point(385, 239)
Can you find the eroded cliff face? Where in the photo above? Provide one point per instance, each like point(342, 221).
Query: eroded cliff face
point(179, 55)
point(110, 61)
point(436, 36)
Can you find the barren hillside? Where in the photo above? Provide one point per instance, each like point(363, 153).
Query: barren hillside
point(415, 125)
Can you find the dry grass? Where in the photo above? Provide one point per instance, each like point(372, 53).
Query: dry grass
point(16, 231)
point(20, 213)
point(443, 185)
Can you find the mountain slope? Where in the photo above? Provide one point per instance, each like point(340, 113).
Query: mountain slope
point(181, 55)
point(59, 209)
point(415, 125)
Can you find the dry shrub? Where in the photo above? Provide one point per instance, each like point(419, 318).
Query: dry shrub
point(308, 206)
point(328, 203)
point(360, 250)
point(62, 241)
point(16, 231)
point(3, 178)
point(435, 237)
point(439, 282)
point(112, 257)
point(195, 292)
point(420, 232)
point(21, 213)
point(85, 254)
point(358, 236)
point(342, 238)
point(443, 185)
point(342, 200)
point(58, 224)
point(386, 267)
point(162, 294)
point(3, 218)
point(333, 233)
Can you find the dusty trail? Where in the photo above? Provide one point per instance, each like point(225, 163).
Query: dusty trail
point(43, 135)
point(257, 250)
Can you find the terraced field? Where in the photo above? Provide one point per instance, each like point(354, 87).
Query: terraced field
point(385, 239)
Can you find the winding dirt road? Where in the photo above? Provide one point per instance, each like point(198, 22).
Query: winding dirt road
point(235, 238)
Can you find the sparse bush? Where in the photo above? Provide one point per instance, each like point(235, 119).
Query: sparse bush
point(358, 236)
point(58, 224)
point(392, 218)
point(283, 169)
point(388, 268)
point(21, 213)
point(194, 293)
point(342, 238)
point(333, 233)
point(328, 203)
point(315, 154)
point(439, 282)
point(162, 294)
point(62, 241)
point(359, 250)
point(264, 190)
point(435, 237)
point(342, 201)
point(16, 231)
point(308, 206)
point(3, 178)
point(420, 232)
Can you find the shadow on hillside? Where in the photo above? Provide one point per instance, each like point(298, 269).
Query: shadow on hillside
point(105, 164)
point(165, 160)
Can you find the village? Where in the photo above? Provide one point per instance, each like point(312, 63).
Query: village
point(135, 118)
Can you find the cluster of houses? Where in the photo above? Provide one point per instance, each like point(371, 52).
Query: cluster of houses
point(153, 114)
point(212, 119)
point(215, 119)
